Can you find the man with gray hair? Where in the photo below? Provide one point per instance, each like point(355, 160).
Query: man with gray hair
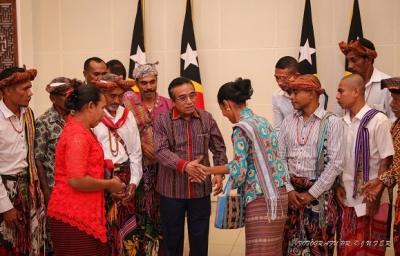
point(146, 107)
point(118, 134)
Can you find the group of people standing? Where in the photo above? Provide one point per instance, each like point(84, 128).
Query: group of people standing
point(106, 171)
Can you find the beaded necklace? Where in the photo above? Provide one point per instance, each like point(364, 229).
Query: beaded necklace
point(15, 129)
point(308, 134)
point(113, 152)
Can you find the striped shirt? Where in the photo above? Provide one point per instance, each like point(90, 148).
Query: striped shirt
point(177, 142)
point(298, 142)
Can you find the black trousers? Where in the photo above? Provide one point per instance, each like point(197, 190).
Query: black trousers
point(173, 223)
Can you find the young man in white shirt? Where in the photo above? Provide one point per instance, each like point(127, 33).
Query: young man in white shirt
point(369, 151)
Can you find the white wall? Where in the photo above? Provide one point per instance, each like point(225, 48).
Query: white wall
point(234, 38)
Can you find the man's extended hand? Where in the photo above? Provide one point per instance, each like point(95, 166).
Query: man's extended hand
point(196, 174)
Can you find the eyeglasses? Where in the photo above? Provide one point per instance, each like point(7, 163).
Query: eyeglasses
point(183, 98)
point(283, 78)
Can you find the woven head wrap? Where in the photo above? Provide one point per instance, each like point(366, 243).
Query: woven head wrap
point(110, 81)
point(144, 70)
point(306, 84)
point(18, 77)
point(62, 84)
point(358, 49)
point(392, 84)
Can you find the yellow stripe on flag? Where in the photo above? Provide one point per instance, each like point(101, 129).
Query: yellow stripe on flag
point(197, 87)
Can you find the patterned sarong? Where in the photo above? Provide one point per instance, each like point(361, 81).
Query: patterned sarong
point(122, 226)
point(28, 239)
point(360, 236)
point(303, 234)
point(264, 236)
point(147, 204)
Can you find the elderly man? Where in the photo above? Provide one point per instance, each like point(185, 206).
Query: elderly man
point(313, 153)
point(146, 107)
point(21, 200)
point(93, 69)
point(374, 187)
point(183, 135)
point(369, 151)
point(119, 137)
point(360, 56)
point(48, 130)
point(49, 127)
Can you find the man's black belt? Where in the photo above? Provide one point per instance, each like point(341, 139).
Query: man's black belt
point(16, 178)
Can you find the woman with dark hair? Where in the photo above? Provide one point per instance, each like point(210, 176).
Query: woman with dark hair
point(256, 170)
point(76, 209)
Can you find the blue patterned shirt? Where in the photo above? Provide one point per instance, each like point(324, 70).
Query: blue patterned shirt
point(242, 168)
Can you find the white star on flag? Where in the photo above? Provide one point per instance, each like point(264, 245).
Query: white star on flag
point(139, 57)
point(306, 52)
point(189, 56)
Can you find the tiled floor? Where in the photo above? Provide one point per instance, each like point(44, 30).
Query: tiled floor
point(231, 242)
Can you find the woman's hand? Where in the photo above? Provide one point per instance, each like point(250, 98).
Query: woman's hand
point(115, 185)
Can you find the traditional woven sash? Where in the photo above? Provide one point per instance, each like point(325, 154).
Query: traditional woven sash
point(110, 124)
point(319, 168)
point(361, 154)
point(319, 164)
point(30, 135)
point(37, 211)
point(144, 123)
point(265, 176)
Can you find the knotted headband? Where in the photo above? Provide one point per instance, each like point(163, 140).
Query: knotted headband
point(358, 49)
point(306, 84)
point(18, 77)
point(111, 85)
point(61, 87)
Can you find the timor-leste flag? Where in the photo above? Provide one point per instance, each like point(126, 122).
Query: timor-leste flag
point(307, 54)
point(189, 59)
point(137, 47)
point(356, 30)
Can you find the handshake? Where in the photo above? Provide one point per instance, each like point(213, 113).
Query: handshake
point(198, 173)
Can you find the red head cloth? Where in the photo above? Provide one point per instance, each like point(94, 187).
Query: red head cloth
point(392, 84)
point(18, 77)
point(306, 84)
point(110, 82)
point(358, 49)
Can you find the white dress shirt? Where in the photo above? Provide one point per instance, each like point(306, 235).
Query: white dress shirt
point(374, 96)
point(130, 134)
point(380, 146)
point(282, 107)
point(300, 159)
point(13, 149)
